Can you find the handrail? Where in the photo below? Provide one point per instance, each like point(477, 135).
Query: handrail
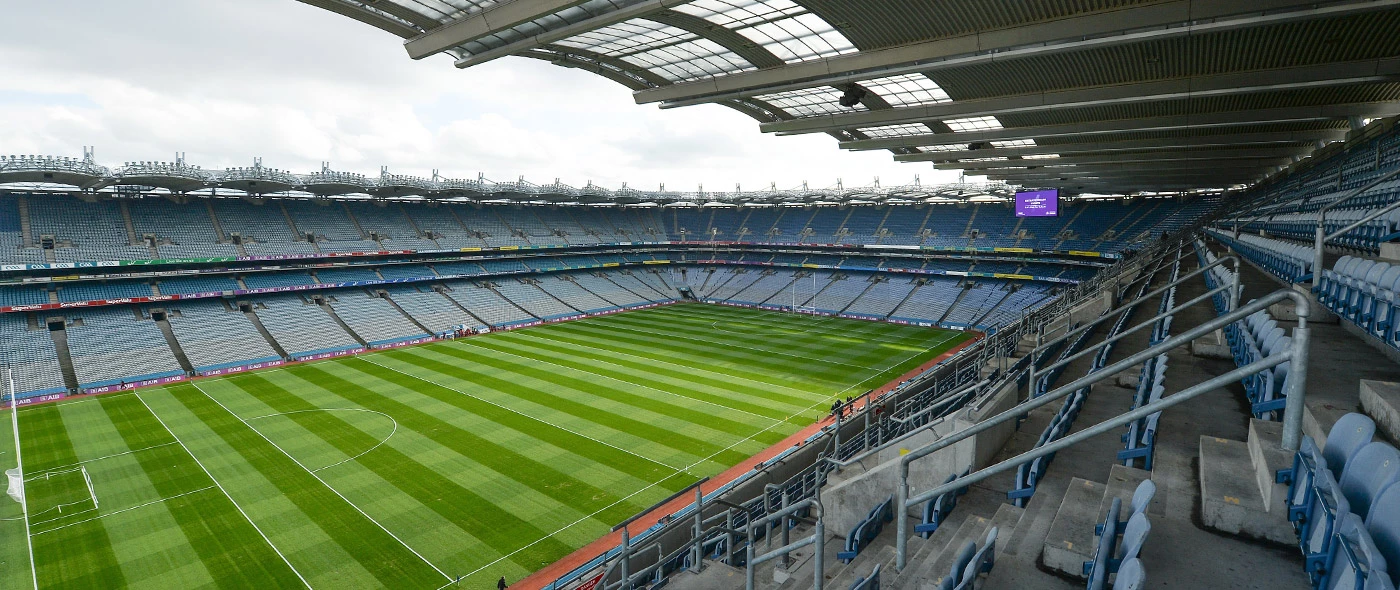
point(1292, 417)
point(1125, 306)
point(817, 538)
point(1133, 330)
point(947, 398)
point(1322, 237)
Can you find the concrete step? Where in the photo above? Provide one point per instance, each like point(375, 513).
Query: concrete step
point(1319, 416)
point(1122, 482)
point(861, 567)
point(1381, 401)
point(931, 572)
point(1070, 541)
point(715, 576)
point(1006, 520)
point(1269, 456)
point(1234, 504)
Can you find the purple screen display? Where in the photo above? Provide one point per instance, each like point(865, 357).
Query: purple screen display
point(1038, 204)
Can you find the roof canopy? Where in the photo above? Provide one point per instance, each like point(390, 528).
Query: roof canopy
point(1076, 93)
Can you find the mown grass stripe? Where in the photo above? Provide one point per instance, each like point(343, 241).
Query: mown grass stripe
point(652, 432)
point(578, 359)
point(498, 529)
point(557, 485)
point(886, 332)
point(807, 367)
point(232, 551)
point(80, 556)
point(748, 378)
point(379, 553)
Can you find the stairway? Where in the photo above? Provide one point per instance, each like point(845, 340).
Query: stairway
point(220, 236)
point(324, 304)
point(1070, 541)
point(464, 309)
point(26, 228)
point(931, 559)
point(257, 322)
point(164, 325)
point(1253, 507)
point(425, 329)
point(870, 285)
point(356, 222)
point(65, 356)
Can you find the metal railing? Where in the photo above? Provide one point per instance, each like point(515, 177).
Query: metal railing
point(817, 538)
point(1292, 417)
point(1234, 289)
point(1322, 237)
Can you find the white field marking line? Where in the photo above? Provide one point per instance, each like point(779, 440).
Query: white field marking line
point(514, 411)
point(729, 345)
point(83, 511)
point(615, 379)
point(19, 466)
point(358, 455)
point(523, 334)
point(221, 488)
point(318, 478)
point(74, 466)
point(342, 409)
point(59, 508)
point(658, 482)
point(114, 513)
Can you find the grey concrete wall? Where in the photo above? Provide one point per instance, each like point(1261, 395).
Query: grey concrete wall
point(850, 494)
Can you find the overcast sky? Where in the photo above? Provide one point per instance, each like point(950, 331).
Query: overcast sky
point(225, 81)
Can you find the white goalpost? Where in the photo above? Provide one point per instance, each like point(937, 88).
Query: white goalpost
point(804, 301)
point(16, 475)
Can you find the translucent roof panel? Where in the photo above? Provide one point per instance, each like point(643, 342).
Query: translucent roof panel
point(810, 102)
point(904, 130)
point(953, 147)
point(907, 90)
point(1040, 157)
point(780, 26)
point(1013, 143)
point(667, 51)
point(444, 10)
point(973, 124)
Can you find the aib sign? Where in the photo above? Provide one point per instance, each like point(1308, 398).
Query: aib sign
point(1038, 204)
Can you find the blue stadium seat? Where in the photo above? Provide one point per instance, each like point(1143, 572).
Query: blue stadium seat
point(1130, 576)
point(1355, 563)
point(1374, 468)
point(982, 562)
point(1383, 523)
point(960, 563)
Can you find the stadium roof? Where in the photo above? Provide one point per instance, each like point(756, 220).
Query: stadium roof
point(61, 174)
point(1247, 84)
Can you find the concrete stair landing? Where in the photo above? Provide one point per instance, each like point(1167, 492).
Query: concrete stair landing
point(1247, 506)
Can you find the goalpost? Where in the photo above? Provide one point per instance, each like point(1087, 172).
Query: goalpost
point(804, 301)
point(16, 475)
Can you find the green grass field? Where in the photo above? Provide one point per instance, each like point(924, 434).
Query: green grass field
point(483, 457)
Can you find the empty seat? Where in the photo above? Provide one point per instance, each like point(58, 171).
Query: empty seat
point(981, 562)
point(1130, 576)
point(1369, 473)
point(1383, 523)
point(1356, 563)
point(1347, 436)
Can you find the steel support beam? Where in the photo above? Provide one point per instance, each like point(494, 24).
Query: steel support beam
point(1191, 121)
point(1174, 143)
point(482, 24)
point(1137, 24)
point(583, 26)
point(1374, 71)
point(1278, 156)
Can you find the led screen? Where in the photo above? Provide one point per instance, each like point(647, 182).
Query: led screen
point(1038, 204)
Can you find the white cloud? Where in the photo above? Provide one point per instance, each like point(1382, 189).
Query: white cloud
point(296, 85)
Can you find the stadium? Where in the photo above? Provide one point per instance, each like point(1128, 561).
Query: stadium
point(1147, 339)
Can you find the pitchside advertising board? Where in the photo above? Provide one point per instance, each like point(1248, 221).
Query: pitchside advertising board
point(1038, 203)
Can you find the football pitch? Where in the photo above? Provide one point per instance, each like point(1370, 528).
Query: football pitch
point(482, 457)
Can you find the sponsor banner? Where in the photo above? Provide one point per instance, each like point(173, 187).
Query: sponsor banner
point(1015, 250)
point(611, 264)
point(1002, 275)
point(332, 354)
point(403, 343)
point(135, 384)
point(242, 368)
point(39, 399)
point(656, 262)
point(593, 583)
point(505, 248)
point(1085, 253)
